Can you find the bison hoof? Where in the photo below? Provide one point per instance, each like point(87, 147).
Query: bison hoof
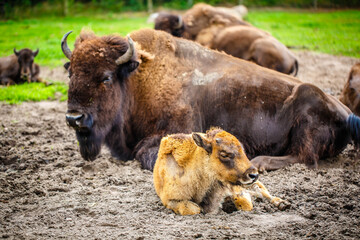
point(188, 208)
point(281, 204)
point(284, 205)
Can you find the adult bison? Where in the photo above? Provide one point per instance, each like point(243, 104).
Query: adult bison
point(251, 44)
point(350, 94)
point(19, 67)
point(128, 94)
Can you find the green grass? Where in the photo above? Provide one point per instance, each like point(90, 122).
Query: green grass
point(334, 32)
point(46, 33)
point(33, 92)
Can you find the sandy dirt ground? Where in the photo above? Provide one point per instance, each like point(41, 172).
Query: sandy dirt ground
point(47, 191)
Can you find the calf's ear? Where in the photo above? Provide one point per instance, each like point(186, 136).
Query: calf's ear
point(202, 142)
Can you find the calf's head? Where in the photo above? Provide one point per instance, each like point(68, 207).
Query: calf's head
point(98, 70)
point(227, 157)
point(26, 59)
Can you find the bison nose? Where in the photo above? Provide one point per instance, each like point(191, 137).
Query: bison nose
point(253, 176)
point(79, 121)
point(74, 119)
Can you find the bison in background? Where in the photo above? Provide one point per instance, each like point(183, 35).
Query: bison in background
point(170, 23)
point(251, 44)
point(128, 94)
point(19, 67)
point(350, 95)
point(217, 29)
point(202, 16)
point(195, 173)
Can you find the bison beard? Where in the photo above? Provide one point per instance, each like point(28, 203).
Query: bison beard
point(90, 144)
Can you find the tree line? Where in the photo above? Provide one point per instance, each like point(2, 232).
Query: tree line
point(9, 8)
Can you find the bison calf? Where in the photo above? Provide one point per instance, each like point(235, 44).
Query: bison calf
point(19, 67)
point(350, 95)
point(194, 173)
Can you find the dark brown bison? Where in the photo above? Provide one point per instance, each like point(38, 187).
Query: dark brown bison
point(170, 23)
point(19, 67)
point(251, 44)
point(128, 94)
point(350, 95)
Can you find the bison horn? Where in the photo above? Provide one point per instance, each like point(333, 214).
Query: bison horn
point(16, 52)
point(64, 47)
point(36, 52)
point(128, 54)
point(180, 23)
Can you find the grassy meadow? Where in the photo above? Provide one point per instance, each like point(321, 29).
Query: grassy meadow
point(332, 32)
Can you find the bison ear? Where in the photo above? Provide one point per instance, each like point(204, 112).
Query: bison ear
point(202, 142)
point(67, 65)
point(125, 69)
point(133, 65)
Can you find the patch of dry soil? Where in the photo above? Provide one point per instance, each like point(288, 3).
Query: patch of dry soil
point(47, 191)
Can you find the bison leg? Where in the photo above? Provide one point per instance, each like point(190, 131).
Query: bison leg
point(241, 198)
point(267, 163)
point(7, 81)
point(146, 151)
point(183, 207)
point(262, 192)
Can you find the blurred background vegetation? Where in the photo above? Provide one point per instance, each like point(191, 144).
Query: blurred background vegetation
point(15, 9)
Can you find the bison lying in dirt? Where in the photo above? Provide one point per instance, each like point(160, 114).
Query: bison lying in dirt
point(195, 173)
point(350, 95)
point(128, 95)
point(19, 67)
point(214, 28)
point(251, 44)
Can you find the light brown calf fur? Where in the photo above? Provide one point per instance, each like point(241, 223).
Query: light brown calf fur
point(194, 173)
point(350, 95)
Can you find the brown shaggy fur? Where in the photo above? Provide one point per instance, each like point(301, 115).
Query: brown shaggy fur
point(350, 95)
point(182, 87)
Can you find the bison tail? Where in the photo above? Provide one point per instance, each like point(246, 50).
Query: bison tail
point(353, 124)
point(295, 68)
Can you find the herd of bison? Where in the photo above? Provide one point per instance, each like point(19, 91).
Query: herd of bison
point(57, 181)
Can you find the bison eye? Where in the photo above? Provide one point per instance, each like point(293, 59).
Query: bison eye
point(226, 155)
